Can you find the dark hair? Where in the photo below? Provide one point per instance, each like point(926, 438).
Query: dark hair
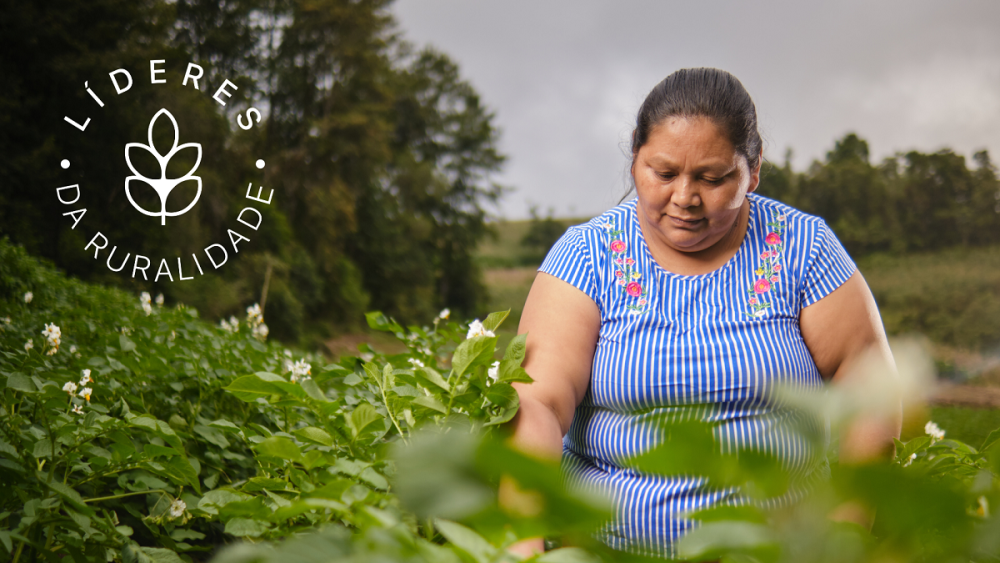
point(706, 92)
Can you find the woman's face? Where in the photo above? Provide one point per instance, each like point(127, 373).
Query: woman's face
point(691, 183)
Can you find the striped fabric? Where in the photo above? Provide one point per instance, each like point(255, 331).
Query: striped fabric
point(718, 341)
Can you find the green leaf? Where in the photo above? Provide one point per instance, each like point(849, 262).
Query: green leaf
point(991, 440)
point(431, 403)
point(21, 383)
point(378, 321)
point(716, 538)
point(217, 498)
point(511, 371)
point(313, 391)
point(280, 448)
point(467, 540)
point(211, 435)
point(433, 376)
point(249, 388)
point(494, 320)
point(475, 351)
point(246, 528)
point(502, 394)
point(314, 434)
point(125, 343)
point(515, 349)
point(181, 469)
point(362, 416)
point(224, 425)
point(68, 494)
point(568, 555)
point(160, 555)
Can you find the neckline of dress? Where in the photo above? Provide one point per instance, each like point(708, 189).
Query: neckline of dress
point(695, 277)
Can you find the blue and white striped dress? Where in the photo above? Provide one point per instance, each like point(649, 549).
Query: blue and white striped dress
point(719, 340)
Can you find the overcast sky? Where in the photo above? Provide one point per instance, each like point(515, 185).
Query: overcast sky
point(565, 78)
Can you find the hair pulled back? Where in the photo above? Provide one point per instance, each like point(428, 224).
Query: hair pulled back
point(702, 92)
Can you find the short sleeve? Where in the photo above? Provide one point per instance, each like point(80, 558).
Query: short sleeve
point(827, 267)
point(570, 261)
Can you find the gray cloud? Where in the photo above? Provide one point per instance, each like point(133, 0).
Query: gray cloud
point(566, 78)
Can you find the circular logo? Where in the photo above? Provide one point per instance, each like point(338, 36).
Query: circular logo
point(162, 183)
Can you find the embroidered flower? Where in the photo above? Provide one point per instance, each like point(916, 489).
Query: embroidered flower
point(633, 289)
point(618, 246)
point(766, 272)
point(621, 282)
point(629, 261)
point(619, 274)
point(642, 301)
point(636, 275)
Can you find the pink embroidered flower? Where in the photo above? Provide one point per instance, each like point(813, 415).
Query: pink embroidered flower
point(774, 279)
point(618, 246)
point(772, 238)
point(781, 217)
point(621, 282)
point(753, 300)
point(642, 301)
point(633, 289)
point(629, 261)
point(761, 286)
point(777, 267)
point(765, 255)
point(618, 260)
point(618, 273)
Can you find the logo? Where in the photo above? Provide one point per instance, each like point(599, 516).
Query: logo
point(162, 183)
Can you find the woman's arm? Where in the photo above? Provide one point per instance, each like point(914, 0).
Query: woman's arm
point(562, 324)
point(840, 329)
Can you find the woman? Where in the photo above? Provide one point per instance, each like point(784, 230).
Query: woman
point(696, 292)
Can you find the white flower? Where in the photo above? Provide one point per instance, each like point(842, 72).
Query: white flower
point(476, 328)
point(232, 325)
point(86, 377)
point(6, 320)
point(934, 431)
point(28, 345)
point(984, 507)
point(416, 363)
point(72, 350)
point(147, 308)
point(52, 332)
point(444, 314)
point(909, 460)
point(177, 508)
point(288, 353)
point(300, 371)
point(494, 371)
point(260, 331)
point(607, 226)
point(86, 392)
point(254, 316)
point(367, 356)
point(28, 297)
point(77, 409)
point(159, 299)
point(52, 351)
point(144, 297)
point(70, 388)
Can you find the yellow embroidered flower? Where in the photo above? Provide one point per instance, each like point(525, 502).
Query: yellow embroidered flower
point(636, 275)
point(759, 271)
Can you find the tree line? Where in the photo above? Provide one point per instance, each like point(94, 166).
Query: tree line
point(909, 202)
point(380, 154)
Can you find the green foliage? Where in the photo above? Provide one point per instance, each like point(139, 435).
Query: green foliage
point(195, 437)
point(380, 156)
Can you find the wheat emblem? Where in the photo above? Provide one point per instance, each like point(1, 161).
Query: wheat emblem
point(162, 185)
